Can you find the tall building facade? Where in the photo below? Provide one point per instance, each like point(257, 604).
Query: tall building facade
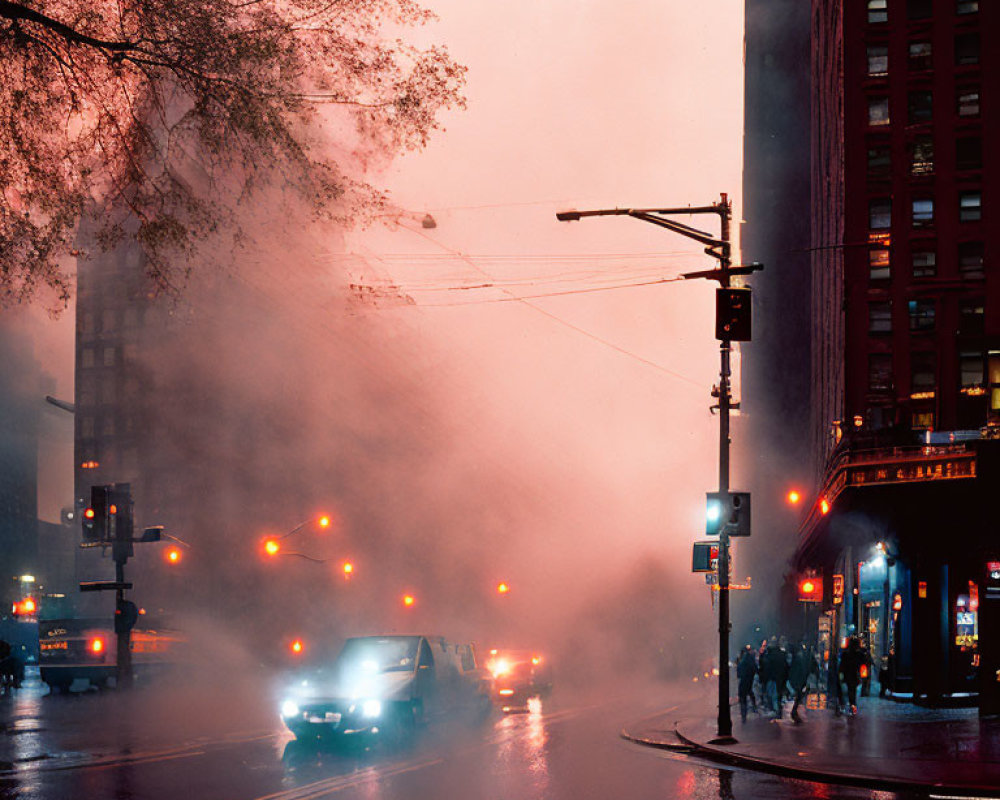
point(905, 332)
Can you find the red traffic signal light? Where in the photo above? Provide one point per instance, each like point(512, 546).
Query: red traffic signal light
point(811, 589)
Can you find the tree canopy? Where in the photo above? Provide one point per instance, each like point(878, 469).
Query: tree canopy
point(166, 117)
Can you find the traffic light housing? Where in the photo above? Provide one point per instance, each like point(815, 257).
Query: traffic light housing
point(810, 589)
point(732, 315)
point(95, 516)
point(126, 615)
point(705, 557)
point(729, 509)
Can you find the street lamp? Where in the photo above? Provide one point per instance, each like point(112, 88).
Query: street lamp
point(734, 327)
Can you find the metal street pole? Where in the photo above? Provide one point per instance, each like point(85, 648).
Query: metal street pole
point(720, 249)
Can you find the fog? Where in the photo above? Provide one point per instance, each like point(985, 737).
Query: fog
point(459, 436)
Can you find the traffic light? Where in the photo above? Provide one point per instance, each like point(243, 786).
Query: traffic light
point(729, 509)
point(95, 516)
point(811, 589)
point(732, 315)
point(126, 615)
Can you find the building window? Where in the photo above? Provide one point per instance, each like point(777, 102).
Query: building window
point(970, 206)
point(924, 262)
point(922, 155)
point(87, 428)
point(966, 6)
point(87, 323)
point(878, 60)
point(87, 357)
point(969, 152)
point(920, 106)
point(918, 9)
point(968, 102)
point(971, 372)
point(921, 315)
point(919, 58)
point(922, 419)
point(923, 212)
point(878, 161)
point(88, 392)
point(967, 48)
point(878, 264)
point(880, 372)
point(879, 213)
point(878, 10)
point(879, 318)
point(970, 260)
point(108, 321)
point(993, 373)
point(108, 425)
point(109, 356)
point(923, 376)
point(107, 391)
point(131, 318)
point(972, 317)
point(878, 111)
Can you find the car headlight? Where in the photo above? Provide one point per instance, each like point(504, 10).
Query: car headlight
point(371, 708)
point(289, 709)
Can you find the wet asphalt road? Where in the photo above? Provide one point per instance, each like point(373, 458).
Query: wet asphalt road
point(224, 742)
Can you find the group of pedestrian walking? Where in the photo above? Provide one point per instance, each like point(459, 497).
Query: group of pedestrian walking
point(776, 673)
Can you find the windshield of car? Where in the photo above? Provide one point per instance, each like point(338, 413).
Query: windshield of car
point(389, 654)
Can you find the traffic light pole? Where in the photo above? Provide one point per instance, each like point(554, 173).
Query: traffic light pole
point(725, 721)
point(721, 250)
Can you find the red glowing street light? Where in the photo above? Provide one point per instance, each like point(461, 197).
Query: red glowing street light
point(296, 646)
point(172, 555)
point(502, 588)
point(348, 569)
point(272, 547)
point(793, 496)
point(409, 600)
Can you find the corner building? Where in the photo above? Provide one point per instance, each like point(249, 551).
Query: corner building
point(906, 333)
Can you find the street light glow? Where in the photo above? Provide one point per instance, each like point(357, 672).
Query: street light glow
point(173, 555)
point(794, 497)
point(324, 521)
point(348, 569)
point(824, 506)
point(502, 588)
point(271, 547)
point(409, 600)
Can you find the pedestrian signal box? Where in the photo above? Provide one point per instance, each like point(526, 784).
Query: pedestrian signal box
point(706, 557)
point(732, 315)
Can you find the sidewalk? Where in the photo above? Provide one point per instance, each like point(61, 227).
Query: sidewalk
point(888, 745)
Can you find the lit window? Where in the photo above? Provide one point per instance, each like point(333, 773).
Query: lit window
point(966, 6)
point(919, 58)
point(970, 259)
point(993, 373)
point(922, 420)
point(970, 206)
point(968, 102)
point(922, 155)
point(918, 9)
point(972, 317)
point(924, 262)
point(879, 318)
point(878, 10)
point(921, 315)
point(920, 107)
point(923, 212)
point(878, 60)
point(878, 160)
point(878, 263)
point(969, 152)
point(967, 48)
point(878, 111)
point(880, 213)
point(880, 372)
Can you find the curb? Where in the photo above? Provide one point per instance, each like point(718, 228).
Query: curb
point(691, 747)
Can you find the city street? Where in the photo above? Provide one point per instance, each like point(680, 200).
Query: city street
point(220, 743)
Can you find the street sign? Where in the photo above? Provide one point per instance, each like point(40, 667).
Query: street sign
point(104, 586)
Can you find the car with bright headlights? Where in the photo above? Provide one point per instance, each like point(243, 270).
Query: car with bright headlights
point(385, 687)
point(518, 676)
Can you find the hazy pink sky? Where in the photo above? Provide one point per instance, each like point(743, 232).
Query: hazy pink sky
point(579, 105)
